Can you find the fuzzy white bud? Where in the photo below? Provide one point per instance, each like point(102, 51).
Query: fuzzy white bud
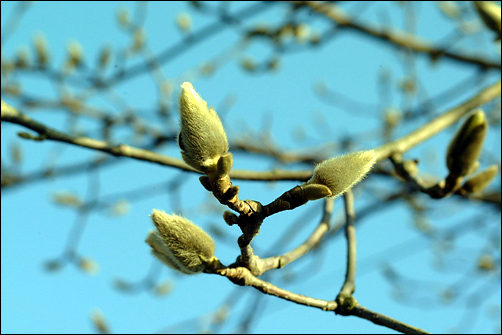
point(180, 244)
point(202, 139)
point(340, 173)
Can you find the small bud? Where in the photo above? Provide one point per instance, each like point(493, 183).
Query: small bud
point(138, 39)
point(163, 288)
point(88, 265)
point(184, 22)
point(69, 199)
point(249, 64)
point(180, 244)
point(120, 208)
point(450, 9)
point(105, 56)
point(486, 263)
point(342, 172)
point(123, 17)
point(315, 191)
point(466, 146)
point(302, 32)
point(202, 139)
point(490, 14)
point(75, 55)
point(99, 321)
point(481, 180)
point(41, 49)
point(22, 58)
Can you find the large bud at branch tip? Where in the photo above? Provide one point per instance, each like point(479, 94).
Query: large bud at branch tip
point(340, 173)
point(202, 139)
point(180, 244)
point(465, 148)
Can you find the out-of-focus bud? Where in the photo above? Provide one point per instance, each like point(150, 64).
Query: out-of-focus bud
point(180, 244)
point(340, 173)
point(75, 55)
point(67, 199)
point(184, 22)
point(40, 44)
point(105, 56)
point(481, 180)
point(449, 8)
point(486, 263)
point(138, 39)
point(466, 146)
point(88, 265)
point(99, 321)
point(202, 139)
point(490, 14)
point(302, 32)
point(124, 17)
point(164, 288)
point(249, 64)
point(22, 58)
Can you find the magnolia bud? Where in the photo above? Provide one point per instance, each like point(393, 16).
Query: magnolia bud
point(202, 139)
point(465, 147)
point(481, 180)
point(490, 14)
point(340, 173)
point(180, 244)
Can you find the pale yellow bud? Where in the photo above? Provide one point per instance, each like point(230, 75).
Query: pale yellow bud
point(202, 139)
point(490, 14)
point(67, 199)
point(124, 17)
point(342, 172)
point(486, 263)
point(449, 8)
point(481, 180)
point(105, 56)
point(302, 32)
point(41, 49)
point(138, 39)
point(22, 58)
point(465, 147)
point(99, 321)
point(88, 265)
point(75, 56)
point(180, 244)
point(184, 22)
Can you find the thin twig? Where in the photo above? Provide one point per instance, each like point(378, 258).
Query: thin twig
point(281, 261)
point(242, 276)
point(350, 233)
point(397, 38)
point(386, 321)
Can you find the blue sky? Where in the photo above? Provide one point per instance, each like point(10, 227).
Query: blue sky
point(35, 230)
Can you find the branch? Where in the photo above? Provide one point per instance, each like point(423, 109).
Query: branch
point(397, 38)
point(242, 276)
point(386, 321)
point(349, 285)
point(438, 124)
point(281, 261)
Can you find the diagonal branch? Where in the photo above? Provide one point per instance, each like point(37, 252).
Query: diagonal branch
point(399, 39)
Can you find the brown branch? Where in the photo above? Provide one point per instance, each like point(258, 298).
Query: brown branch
point(397, 38)
point(277, 262)
point(242, 276)
point(400, 145)
point(438, 124)
point(349, 285)
point(386, 321)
